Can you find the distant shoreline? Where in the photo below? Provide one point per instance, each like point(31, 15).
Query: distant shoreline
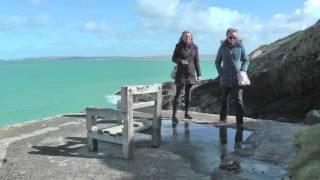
point(102, 58)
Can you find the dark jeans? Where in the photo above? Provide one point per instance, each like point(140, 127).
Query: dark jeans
point(175, 103)
point(235, 96)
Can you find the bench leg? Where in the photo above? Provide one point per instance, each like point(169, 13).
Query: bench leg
point(128, 149)
point(92, 144)
point(156, 138)
point(156, 122)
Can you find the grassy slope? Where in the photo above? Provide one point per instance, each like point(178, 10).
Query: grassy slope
point(307, 164)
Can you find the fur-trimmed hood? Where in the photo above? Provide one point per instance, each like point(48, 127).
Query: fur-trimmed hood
point(238, 43)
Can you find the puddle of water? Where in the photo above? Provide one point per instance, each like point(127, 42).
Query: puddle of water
point(207, 148)
point(204, 145)
point(252, 167)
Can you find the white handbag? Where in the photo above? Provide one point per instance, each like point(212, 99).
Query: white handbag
point(243, 78)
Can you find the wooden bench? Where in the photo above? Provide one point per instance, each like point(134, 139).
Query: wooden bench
point(120, 125)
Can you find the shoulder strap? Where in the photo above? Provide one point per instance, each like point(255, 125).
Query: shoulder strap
point(229, 53)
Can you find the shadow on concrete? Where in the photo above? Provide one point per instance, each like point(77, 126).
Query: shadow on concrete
point(189, 151)
point(69, 148)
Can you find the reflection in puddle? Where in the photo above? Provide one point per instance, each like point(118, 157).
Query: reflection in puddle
point(204, 145)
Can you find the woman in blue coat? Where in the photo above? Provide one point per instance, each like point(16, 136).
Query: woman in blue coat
point(230, 60)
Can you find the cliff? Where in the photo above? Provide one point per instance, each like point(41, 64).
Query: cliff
point(285, 77)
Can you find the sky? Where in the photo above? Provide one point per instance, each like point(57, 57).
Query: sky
point(41, 28)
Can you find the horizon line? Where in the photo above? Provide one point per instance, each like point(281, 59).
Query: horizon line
point(156, 57)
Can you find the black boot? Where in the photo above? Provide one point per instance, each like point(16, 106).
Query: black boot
point(187, 116)
point(240, 127)
point(186, 108)
point(175, 120)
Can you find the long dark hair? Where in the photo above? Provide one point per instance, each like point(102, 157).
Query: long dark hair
point(181, 37)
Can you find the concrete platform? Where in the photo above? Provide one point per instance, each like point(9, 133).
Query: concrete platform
point(55, 148)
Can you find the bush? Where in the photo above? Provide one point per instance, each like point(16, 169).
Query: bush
point(307, 164)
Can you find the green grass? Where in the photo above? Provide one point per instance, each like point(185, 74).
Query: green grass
point(307, 164)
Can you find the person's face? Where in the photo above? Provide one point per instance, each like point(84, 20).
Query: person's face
point(187, 38)
point(232, 37)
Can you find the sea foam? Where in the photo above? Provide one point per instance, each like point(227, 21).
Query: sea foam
point(113, 99)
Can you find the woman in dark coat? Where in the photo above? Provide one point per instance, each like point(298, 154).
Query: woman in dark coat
point(188, 71)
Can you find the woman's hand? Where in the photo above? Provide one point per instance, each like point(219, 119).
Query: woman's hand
point(198, 78)
point(184, 62)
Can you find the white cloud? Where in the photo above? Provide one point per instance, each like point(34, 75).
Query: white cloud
point(103, 29)
point(40, 19)
point(298, 20)
point(178, 16)
point(312, 7)
point(17, 22)
point(156, 8)
point(100, 28)
point(281, 25)
point(211, 22)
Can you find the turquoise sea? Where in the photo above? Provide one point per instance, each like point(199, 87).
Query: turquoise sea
point(32, 90)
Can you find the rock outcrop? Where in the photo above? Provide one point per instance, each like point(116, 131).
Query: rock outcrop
point(285, 77)
point(168, 92)
point(313, 117)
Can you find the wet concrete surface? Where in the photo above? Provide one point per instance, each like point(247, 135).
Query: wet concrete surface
point(204, 145)
point(56, 149)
